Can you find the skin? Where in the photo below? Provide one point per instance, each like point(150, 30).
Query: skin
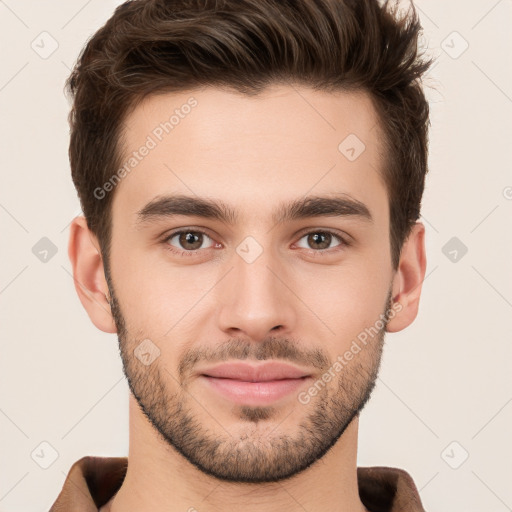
point(298, 302)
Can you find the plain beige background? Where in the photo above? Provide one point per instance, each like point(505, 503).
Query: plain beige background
point(442, 409)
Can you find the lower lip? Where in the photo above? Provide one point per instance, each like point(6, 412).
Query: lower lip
point(254, 393)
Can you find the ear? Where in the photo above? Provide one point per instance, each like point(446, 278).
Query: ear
point(408, 279)
point(89, 275)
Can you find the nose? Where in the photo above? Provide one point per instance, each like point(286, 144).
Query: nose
point(257, 298)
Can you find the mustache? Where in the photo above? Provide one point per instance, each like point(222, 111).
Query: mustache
point(242, 349)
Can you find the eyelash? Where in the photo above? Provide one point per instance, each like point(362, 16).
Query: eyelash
point(343, 241)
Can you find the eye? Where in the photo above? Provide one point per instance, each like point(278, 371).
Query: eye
point(321, 240)
point(188, 240)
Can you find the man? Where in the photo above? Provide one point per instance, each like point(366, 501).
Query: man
point(251, 174)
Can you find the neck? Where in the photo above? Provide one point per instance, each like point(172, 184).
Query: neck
point(160, 479)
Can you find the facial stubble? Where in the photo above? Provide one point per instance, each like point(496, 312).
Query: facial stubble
point(259, 449)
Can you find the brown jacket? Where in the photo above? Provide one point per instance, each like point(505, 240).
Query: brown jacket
point(92, 481)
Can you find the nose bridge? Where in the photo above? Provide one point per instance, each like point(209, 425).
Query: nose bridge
point(256, 300)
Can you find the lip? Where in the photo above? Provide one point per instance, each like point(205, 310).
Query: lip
point(247, 384)
point(253, 393)
point(263, 372)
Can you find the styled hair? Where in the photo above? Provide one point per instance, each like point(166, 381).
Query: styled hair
point(157, 46)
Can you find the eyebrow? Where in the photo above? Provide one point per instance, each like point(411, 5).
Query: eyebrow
point(334, 205)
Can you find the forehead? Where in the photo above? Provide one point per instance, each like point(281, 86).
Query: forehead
point(286, 142)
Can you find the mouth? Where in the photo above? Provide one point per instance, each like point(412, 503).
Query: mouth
point(247, 384)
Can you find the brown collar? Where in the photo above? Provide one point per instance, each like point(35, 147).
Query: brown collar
point(92, 481)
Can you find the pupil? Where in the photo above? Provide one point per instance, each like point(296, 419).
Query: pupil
point(317, 239)
point(190, 238)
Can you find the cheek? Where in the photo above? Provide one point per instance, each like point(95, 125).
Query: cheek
point(347, 299)
point(157, 297)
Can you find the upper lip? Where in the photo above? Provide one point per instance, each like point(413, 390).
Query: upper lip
point(255, 373)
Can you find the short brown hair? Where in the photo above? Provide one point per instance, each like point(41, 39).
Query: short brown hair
point(156, 46)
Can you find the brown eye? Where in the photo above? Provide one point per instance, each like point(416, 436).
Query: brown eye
point(188, 240)
point(321, 240)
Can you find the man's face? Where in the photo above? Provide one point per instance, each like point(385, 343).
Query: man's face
point(258, 285)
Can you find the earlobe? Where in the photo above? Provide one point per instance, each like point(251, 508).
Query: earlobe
point(88, 275)
point(408, 280)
